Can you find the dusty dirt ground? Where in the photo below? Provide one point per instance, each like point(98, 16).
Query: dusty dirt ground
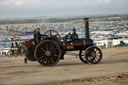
point(112, 70)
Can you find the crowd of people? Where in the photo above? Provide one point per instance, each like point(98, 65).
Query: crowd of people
point(17, 49)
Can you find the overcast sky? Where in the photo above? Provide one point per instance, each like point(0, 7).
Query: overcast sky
point(37, 8)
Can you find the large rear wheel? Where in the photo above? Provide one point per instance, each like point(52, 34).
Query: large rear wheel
point(47, 53)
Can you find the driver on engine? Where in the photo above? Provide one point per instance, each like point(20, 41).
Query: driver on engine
point(74, 35)
point(37, 36)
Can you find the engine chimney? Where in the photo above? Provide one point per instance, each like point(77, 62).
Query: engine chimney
point(86, 24)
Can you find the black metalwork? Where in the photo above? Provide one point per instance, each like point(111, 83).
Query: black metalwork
point(48, 53)
point(51, 48)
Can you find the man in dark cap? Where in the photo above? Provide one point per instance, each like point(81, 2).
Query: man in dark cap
point(74, 35)
point(38, 35)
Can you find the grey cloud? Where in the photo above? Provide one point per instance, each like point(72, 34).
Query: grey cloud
point(28, 8)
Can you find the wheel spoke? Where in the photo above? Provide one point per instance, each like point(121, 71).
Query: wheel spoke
point(54, 52)
point(94, 55)
point(89, 59)
point(52, 47)
point(48, 53)
point(55, 55)
point(97, 52)
point(40, 53)
point(48, 60)
point(51, 60)
point(97, 58)
point(82, 56)
point(43, 49)
point(45, 61)
point(94, 60)
point(47, 48)
point(95, 49)
point(55, 49)
point(43, 58)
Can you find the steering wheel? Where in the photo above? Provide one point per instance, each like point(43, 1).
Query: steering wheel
point(52, 33)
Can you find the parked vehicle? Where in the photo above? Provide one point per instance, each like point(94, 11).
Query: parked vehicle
point(5, 51)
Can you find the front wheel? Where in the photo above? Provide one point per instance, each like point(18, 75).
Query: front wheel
point(82, 57)
point(93, 55)
point(9, 53)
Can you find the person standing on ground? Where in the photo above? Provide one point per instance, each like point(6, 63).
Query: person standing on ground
point(17, 48)
point(12, 48)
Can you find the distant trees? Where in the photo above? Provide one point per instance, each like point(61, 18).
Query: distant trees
point(52, 20)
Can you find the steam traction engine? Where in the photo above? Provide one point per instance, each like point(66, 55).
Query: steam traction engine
point(51, 49)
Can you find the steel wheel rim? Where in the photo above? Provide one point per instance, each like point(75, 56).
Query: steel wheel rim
point(82, 56)
point(43, 58)
point(52, 33)
point(93, 55)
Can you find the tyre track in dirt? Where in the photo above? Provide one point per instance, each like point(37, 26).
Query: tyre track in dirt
point(13, 71)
